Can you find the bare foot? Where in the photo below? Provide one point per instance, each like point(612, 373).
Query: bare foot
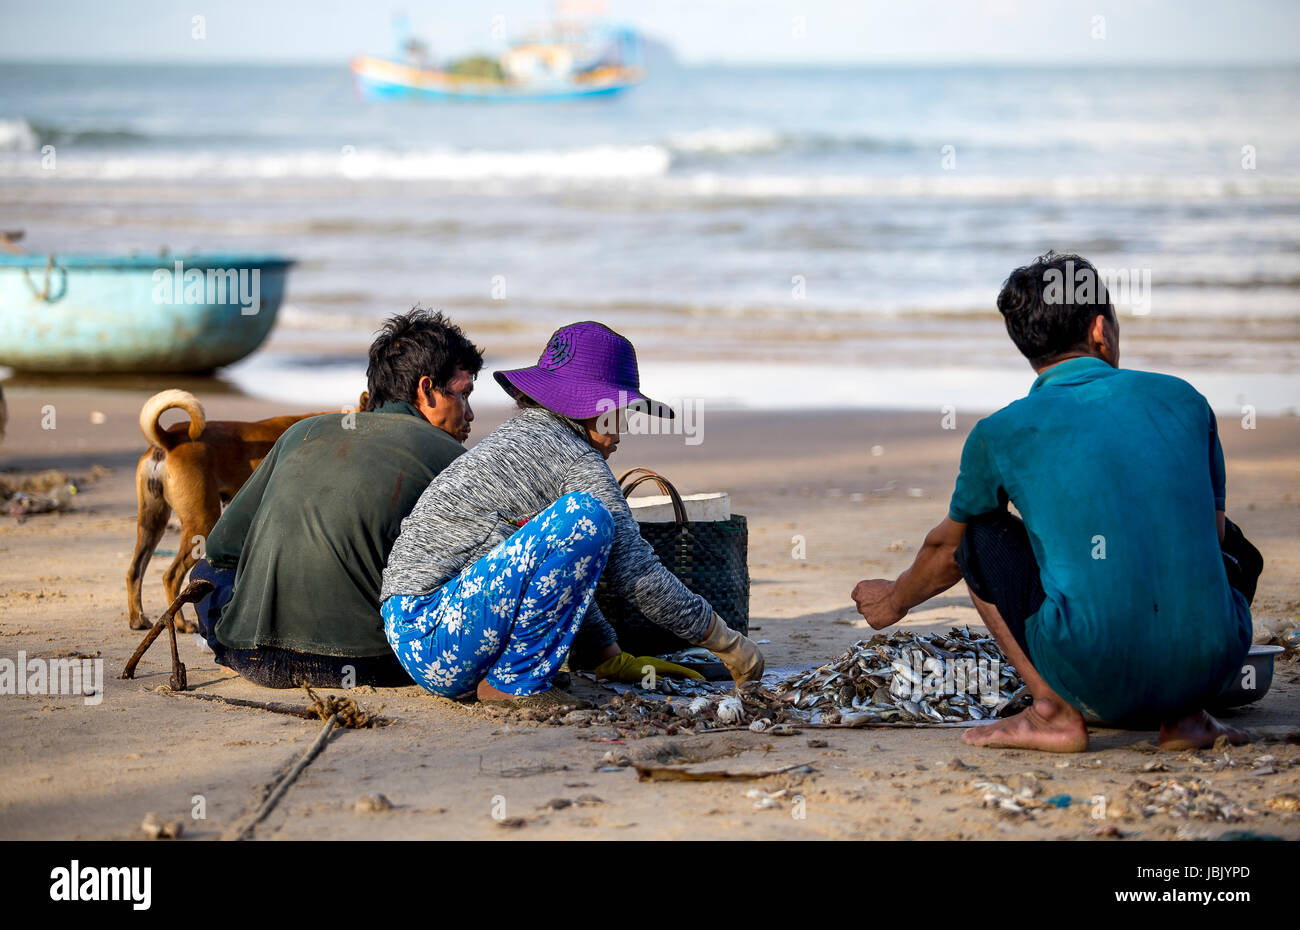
point(1047, 725)
point(1198, 731)
point(488, 693)
point(551, 697)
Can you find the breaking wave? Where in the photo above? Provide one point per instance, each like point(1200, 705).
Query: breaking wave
point(593, 163)
point(627, 170)
point(17, 135)
point(717, 141)
point(21, 135)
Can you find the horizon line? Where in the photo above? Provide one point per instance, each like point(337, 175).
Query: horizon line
point(1248, 64)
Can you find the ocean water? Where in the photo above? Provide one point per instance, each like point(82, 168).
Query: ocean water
point(767, 236)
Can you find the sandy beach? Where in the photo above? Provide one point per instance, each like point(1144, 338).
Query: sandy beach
point(861, 487)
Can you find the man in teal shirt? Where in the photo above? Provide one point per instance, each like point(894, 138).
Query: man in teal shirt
point(304, 542)
point(1121, 593)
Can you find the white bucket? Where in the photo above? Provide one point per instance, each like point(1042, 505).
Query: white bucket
point(713, 506)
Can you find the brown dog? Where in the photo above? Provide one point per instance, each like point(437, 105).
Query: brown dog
point(192, 470)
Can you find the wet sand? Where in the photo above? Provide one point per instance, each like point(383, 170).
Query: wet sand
point(78, 771)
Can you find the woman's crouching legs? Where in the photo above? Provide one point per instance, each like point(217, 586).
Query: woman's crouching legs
point(510, 617)
point(556, 561)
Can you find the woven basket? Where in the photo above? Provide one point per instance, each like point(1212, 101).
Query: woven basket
point(710, 558)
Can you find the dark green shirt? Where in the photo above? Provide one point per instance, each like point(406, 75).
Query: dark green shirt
point(310, 531)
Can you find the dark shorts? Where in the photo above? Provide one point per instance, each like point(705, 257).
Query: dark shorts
point(285, 668)
point(1242, 560)
point(998, 563)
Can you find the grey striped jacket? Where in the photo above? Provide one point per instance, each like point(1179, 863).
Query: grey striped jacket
point(513, 473)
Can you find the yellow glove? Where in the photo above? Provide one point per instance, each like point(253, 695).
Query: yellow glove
point(630, 669)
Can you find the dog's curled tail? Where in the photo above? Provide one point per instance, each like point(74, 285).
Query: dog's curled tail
point(165, 400)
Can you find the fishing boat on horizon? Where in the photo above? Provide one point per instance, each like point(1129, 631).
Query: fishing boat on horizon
point(564, 60)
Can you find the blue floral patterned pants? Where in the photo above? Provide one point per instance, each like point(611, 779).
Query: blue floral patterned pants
point(511, 616)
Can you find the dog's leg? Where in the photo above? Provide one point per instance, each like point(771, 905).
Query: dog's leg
point(195, 527)
point(150, 524)
point(175, 575)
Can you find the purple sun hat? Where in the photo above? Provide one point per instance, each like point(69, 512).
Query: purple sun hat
point(585, 370)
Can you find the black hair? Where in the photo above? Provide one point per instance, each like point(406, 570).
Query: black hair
point(1049, 305)
point(414, 344)
point(525, 402)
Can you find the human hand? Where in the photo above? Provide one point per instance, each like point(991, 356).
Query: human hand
point(630, 669)
point(738, 653)
point(874, 598)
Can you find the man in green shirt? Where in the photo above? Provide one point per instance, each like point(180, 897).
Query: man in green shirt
point(1121, 592)
point(298, 554)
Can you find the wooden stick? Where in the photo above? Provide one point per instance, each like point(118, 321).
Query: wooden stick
point(177, 681)
point(195, 591)
point(129, 670)
point(274, 797)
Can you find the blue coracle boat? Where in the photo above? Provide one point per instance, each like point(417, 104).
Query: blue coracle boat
point(168, 313)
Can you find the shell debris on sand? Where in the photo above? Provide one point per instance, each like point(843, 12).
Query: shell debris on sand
point(636, 714)
point(1194, 799)
point(372, 804)
point(748, 704)
point(1015, 797)
point(155, 828)
point(910, 678)
point(764, 800)
point(1284, 803)
point(730, 710)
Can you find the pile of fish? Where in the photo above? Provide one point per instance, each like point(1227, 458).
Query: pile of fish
point(906, 679)
point(690, 687)
point(953, 678)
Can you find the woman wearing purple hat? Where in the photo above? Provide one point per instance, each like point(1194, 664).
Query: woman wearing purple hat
point(492, 580)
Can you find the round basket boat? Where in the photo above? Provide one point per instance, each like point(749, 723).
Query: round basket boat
point(92, 314)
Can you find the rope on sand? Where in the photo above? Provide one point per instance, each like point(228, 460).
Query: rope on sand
point(275, 707)
point(339, 711)
point(245, 831)
point(350, 713)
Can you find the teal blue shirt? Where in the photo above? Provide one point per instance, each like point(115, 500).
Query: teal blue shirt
point(1117, 476)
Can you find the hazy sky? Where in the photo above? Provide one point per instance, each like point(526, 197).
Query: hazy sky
point(924, 31)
